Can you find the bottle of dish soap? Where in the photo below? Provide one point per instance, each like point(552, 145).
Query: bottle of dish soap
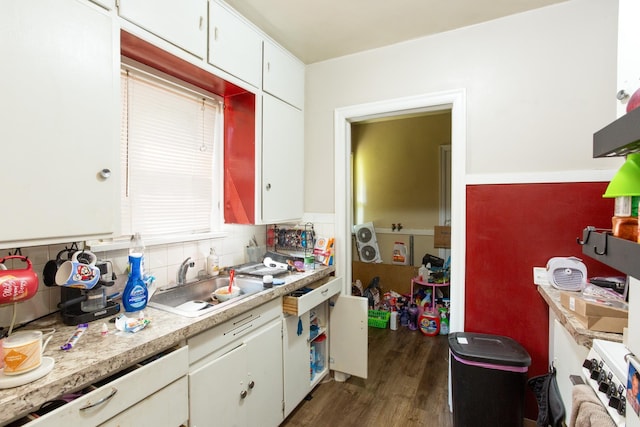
point(213, 266)
point(135, 294)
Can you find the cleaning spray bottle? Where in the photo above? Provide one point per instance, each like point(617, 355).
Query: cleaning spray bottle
point(135, 294)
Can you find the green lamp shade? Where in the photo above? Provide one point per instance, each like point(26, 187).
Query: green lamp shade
point(627, 180)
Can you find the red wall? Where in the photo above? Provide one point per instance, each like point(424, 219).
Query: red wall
point(512, 228)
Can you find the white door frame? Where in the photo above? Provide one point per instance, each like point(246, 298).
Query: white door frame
point(455, 100)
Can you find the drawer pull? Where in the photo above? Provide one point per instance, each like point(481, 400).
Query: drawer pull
point(252, 384)
point(101, 401)
point(324, 292)
point(243, 394)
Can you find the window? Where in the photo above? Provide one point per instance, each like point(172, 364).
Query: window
point(171, 162)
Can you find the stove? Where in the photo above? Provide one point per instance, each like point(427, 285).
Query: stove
point(605, 370)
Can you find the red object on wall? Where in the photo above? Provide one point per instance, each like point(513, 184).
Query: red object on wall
point(512, 228)
point(239, 160)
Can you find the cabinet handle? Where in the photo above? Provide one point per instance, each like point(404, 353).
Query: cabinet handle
point(105, 173)
point(268, 66)
point(268, 187)
point(252, 384)
point(324, 292)
point(101, 401)
point(243, 394)
point(200, 23)
point(215, 33)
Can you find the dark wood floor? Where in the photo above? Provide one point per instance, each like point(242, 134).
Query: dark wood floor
point(407, 386)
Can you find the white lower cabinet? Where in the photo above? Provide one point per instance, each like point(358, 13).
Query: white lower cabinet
point(238, 382)
point(567, 356)
point(144, 395)
point(323, 330)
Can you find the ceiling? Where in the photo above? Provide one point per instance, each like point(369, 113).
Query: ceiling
point(317, 30)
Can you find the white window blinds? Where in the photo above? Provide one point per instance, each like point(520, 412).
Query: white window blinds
point(170, 138)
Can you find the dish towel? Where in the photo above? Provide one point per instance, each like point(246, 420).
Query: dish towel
point(587, 410)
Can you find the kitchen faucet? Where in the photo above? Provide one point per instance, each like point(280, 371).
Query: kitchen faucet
point(181, 276)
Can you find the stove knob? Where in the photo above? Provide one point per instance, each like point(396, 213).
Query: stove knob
point(618, 402)
point(622, 407)
point(589, 364)
point(605, 384)
point(615, 401)
point(595, 373)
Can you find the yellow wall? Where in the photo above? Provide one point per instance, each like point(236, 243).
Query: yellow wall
point(396, 177)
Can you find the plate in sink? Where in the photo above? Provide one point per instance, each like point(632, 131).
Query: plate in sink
point(192, 306)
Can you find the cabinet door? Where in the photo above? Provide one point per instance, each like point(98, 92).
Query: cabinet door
point(628, 47)
point(216, 391)
point(283, 75)
point(59, 120)
point(229, 35)
point(348, 330)
point(180, 23)
point(264, 377)
point(296, 361)
point(567, 357)
point(282, 161)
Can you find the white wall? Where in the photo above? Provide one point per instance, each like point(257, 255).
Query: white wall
point(538, 84)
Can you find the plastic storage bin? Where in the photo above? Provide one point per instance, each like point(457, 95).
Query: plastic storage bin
point(488, 379)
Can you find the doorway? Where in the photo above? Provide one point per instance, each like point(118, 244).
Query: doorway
point(343, 119)
point(401, 182)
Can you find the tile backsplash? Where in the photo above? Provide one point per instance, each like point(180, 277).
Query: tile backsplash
point(161, 261)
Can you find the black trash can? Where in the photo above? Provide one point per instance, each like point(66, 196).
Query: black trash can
point(488, 380)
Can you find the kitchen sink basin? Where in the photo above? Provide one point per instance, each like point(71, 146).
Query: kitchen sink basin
point(194, 299)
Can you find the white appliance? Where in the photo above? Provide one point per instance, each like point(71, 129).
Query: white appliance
point(367, 243)
point(605, 370)
point(633, 340)
point(566, 273)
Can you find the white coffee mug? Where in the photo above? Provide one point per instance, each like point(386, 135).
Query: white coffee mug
point(22, 351)
point(76, 274)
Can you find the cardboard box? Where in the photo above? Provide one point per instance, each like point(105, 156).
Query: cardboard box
point(603, 324)
point(586, 306)
point(441, 237)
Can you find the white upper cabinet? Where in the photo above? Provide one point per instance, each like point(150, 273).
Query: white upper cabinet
point(282, 161)
point(182, 23)
point(59, 121)
point(234, 46)
point(283, 75)
point(628, 47)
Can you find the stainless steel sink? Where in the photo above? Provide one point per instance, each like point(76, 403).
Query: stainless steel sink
point(194, 299)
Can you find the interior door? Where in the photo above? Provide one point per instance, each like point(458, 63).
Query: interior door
point(348, 335)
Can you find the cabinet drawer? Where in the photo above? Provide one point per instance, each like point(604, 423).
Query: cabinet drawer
point(219, 336)
point(322, 291)
point(119, 392)
point(167, 407)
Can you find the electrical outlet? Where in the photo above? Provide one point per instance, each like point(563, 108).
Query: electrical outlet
point(540, 276)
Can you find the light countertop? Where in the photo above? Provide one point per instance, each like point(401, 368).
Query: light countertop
point(95, 356)
point(580, 334)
